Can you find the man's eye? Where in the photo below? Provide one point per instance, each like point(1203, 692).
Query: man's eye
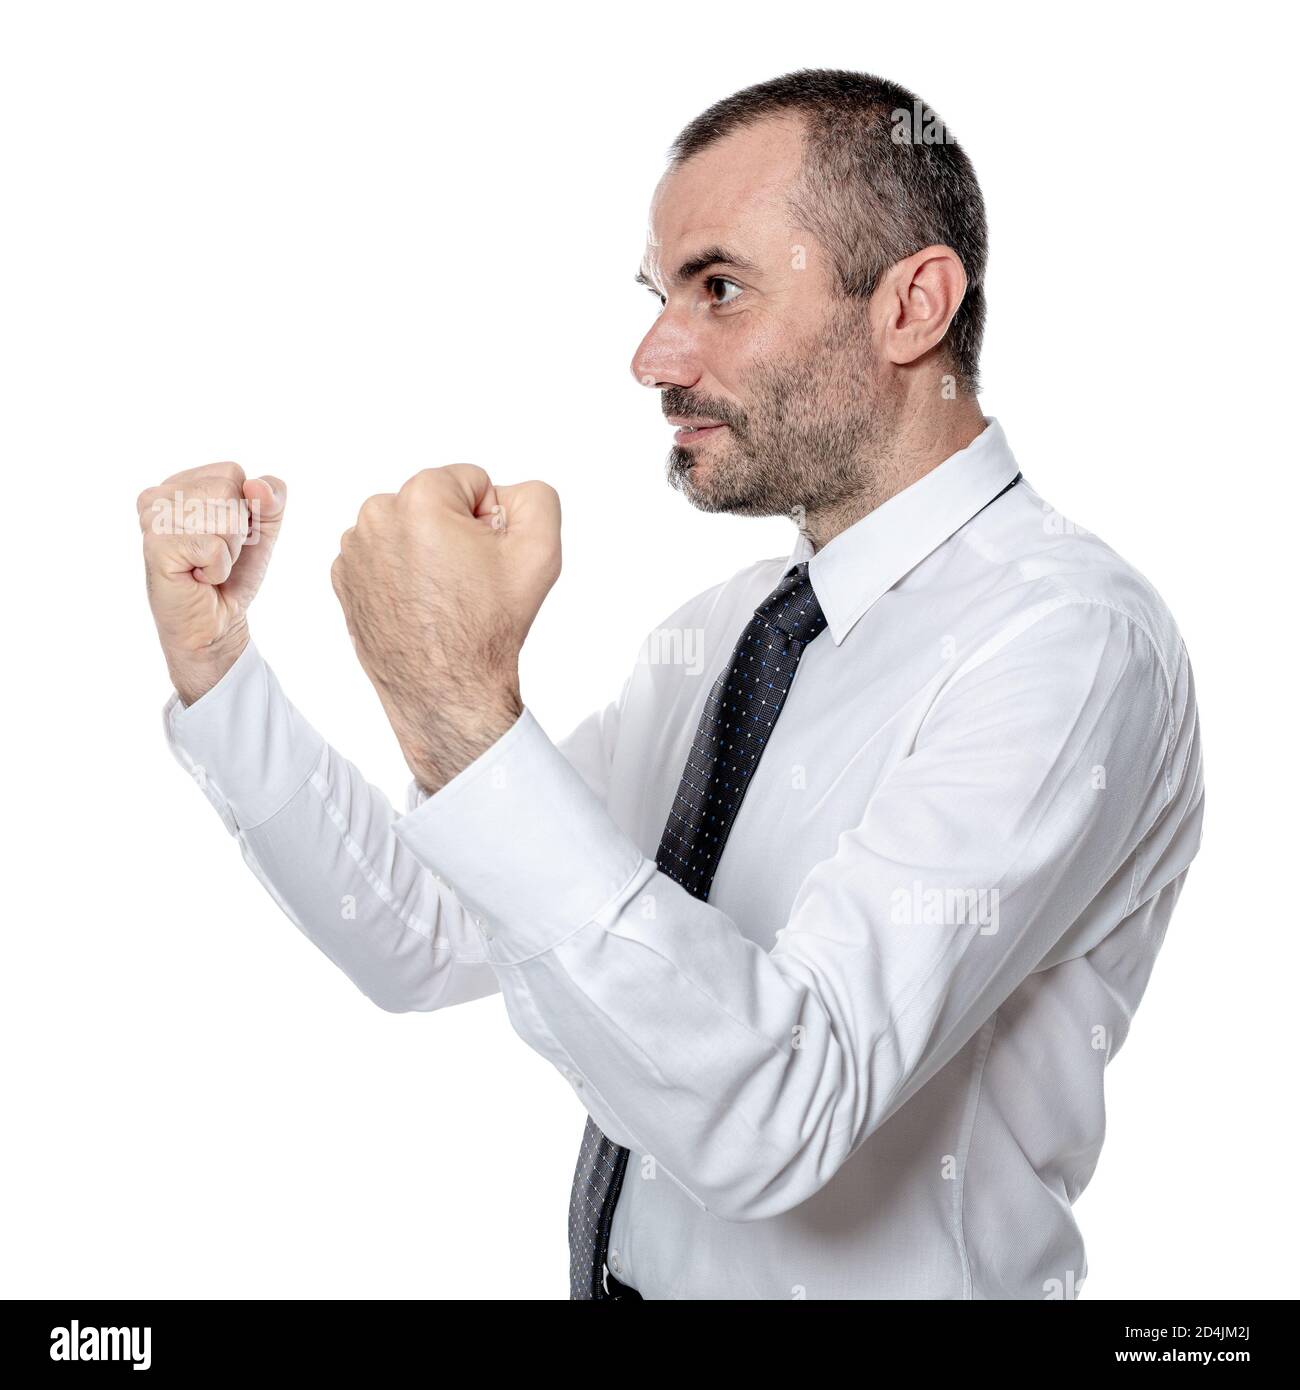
point(723, 291)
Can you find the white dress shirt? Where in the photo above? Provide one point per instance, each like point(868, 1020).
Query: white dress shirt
point(871, 1065)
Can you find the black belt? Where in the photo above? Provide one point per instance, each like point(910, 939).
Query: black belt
point(617, 1290)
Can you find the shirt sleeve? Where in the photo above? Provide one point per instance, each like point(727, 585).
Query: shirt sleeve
point(751, 1076)
point(320, 839)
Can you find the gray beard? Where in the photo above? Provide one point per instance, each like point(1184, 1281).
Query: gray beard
point(811, 443)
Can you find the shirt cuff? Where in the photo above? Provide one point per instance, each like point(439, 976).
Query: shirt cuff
point(245, 745)
point(533, 853)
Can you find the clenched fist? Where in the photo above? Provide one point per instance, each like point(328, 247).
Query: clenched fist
point(208, 534)
point(440, 584)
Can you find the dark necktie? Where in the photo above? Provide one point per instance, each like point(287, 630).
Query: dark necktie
point(734, 729)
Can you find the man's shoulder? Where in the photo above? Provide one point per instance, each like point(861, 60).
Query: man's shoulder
point(1048, 561)
point(1079, 617)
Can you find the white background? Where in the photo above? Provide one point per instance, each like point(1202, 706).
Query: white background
point(342, 242)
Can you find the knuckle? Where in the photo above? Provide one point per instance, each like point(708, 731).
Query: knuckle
point(153, 516)
point(218, 486)
point(543, 496)
point(423, 481)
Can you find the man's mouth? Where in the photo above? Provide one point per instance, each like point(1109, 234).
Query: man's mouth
point(691, 430)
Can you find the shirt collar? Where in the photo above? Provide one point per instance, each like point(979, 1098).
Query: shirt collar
point(867, 559)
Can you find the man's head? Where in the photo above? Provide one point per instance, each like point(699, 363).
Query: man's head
point(818, 246)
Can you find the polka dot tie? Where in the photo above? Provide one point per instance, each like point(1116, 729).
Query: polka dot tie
point(734, 728)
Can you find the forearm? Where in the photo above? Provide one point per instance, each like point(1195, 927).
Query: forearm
point(683, 1039)
point(320, 839)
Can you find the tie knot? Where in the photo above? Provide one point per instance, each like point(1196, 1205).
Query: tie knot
point(792, 606)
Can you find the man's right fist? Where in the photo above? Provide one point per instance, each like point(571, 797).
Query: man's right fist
point(208, 534)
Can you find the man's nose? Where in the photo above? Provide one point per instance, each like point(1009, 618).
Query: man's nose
point(667, 355)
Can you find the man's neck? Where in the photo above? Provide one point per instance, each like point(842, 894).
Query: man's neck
point(920, 443)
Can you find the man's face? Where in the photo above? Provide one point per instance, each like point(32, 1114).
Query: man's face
point(753, 347)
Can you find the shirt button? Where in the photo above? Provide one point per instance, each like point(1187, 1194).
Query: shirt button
point(574, 1080)
point(615, 1264)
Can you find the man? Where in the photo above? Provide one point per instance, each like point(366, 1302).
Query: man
point(835, 939)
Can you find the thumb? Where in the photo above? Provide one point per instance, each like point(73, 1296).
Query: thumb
point(266, 497)
point(490, 509)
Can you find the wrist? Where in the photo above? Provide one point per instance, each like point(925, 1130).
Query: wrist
point(451, 740)
point(193, 674)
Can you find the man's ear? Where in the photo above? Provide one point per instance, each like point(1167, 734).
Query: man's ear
point(918, 297)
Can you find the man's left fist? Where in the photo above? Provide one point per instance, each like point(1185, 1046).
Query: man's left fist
point(440, 584)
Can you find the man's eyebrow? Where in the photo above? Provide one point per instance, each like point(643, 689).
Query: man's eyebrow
point(689, 269)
